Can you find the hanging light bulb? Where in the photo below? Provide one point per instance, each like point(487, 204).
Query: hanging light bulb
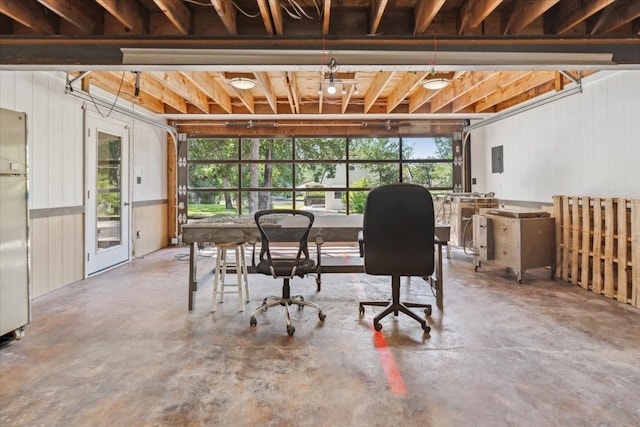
point(344, 90)
point(331, 89)
point(355, 89)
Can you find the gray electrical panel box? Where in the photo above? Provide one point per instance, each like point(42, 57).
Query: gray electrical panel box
point(497, 159)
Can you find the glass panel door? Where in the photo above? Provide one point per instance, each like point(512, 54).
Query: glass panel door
point(108, 191)
point(107, 199)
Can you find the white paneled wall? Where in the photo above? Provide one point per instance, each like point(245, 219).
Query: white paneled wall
point(587, 144)
point(55, 134)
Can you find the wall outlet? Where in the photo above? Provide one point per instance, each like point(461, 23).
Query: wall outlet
point(138, 234)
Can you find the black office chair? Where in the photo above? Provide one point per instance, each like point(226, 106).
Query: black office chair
point(398, 240)
point(269, 223)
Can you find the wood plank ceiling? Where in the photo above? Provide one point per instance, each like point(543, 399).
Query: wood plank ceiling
point(322, 26)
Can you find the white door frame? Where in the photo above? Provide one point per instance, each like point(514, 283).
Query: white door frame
point(97, 259)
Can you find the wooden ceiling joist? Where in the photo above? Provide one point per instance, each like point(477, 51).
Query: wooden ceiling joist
point(619, 13)
point(524, 12)
point(276, 15)
point(568, 13)
point(87, 17)
point(131, 14)
point(177, 13)
point(425, 11)
point(227, 13)
point(208, 84)
point(376, 10)
point(30, 14)
point(265, 13)
point(473, 12)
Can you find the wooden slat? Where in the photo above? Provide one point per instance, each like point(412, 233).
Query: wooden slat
point(181, 85)
point(523, 84)
point(586, 243)
point(557, 214)
point(597, 245)
point(263, 81)
point(326, 17)
point(609, 224)
point(566, 229)
point(635, 253)
point(124, 85)
point(490, 85)
point(459, 87)
point(575, 238)
point(208, 84)
point(622, 234)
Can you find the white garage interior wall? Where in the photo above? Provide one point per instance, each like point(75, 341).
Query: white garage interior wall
point(55, 137)
point(587, 144)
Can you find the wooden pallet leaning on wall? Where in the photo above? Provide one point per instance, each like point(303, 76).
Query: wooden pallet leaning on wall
point(598, 245)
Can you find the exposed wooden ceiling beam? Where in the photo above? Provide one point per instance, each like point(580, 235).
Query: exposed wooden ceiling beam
point(208, 84)
point(457, 88)
point(616, 15)
point(263, 81)
point(487, 87)
point(523, 84)
point(131, 14)
point(30, 14)
point(177, 13)
point(266, 16)
point(376, 10)
point(473, 12)
point(122, 84)
point(376, 88)
point(569, 13)
point(181, 85)
point(526, 96)
point(326, 16)
point(292, 88)
point(425, 11)
point(524, 12)
point(276, 14)
point(408, 83)
point(87, 17)
point(227, 13)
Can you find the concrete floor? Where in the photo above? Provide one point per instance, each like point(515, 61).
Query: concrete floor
point(121, 349)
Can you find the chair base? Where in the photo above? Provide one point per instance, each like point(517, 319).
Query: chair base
point(395, 306)
point(285, 300)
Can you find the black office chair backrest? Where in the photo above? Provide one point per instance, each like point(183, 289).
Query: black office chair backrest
point(284, 225)
point(398, 231)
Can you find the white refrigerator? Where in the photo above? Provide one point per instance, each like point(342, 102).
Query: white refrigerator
point(14, 225)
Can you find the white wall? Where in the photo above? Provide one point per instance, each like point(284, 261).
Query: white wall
point(587, 144)
point(55, 130)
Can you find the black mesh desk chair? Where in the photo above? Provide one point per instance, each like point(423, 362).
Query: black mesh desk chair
point(398, 240)
point(285, 267)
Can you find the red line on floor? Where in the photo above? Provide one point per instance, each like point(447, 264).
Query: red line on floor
point(387, 360)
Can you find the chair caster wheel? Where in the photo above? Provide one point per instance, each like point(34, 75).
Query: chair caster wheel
point(427, 311)
point(290, 330)
point(253, 321)
point(322, 316)
point(377, 326)
point(362, 310)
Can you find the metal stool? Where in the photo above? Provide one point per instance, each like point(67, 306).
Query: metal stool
point(241, 286)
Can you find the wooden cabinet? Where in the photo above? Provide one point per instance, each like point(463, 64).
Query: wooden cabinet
point(519, 240)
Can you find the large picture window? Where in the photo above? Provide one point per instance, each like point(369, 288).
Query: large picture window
point(243, 175)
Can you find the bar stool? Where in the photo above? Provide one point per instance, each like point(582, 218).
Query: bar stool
point(241, 286)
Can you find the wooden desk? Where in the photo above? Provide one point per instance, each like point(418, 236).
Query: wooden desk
point(326, 228)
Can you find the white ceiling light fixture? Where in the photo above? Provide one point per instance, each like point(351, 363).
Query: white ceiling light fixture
point(331, 89)
point(435, 84)
point(242, 83)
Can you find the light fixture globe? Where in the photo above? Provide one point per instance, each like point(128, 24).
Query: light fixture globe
point(242, 83)
point(331, 89)
point(435, 84)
